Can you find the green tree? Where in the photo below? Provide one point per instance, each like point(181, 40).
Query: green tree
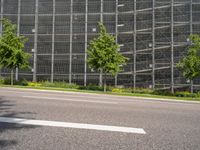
point(103, 54)
point(190, 64)
point(12, 54)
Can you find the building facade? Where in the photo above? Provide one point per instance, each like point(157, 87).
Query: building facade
point(153, 34)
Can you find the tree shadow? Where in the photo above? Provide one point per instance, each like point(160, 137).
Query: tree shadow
point(6, 111)
point(5, 105)
point(6, 143)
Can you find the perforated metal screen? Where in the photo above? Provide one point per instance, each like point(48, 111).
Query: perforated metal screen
point(152, 34)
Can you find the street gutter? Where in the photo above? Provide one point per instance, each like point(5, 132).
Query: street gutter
point(54, 90)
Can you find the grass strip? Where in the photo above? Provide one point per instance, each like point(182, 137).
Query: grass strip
point(107, 93)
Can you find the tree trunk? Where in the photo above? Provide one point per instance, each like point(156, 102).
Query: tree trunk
point(105, 86)
point(132, 84)
point(192, 88)
point(16, 75)
point(100, 78)
point(11, 77)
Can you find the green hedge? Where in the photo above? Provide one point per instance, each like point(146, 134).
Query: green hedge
point(1, 81)
point(59, 85)
point(186, 94)
point(7, 81)
point(130, 90)
point(92, 87)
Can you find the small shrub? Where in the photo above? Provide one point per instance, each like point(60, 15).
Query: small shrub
point(185, 94)
point(143, 91)
point(91, 87)
point(59, 85)
point(7, 81)
point(117, 90)
point(34, 84)
point(198, 95)
point(22, 82)
point(121, 90)
point(130, 90)
point(163, 93)
point(1, 80)
point(66, 85)
point(47, 84)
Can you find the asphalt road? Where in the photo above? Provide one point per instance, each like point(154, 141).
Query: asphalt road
point(168, 125)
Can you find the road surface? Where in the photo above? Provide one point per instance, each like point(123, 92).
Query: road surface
point(48, 120)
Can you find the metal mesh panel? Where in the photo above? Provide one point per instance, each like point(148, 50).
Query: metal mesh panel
point(153, 34)
point(27, 7)
point(10, 7)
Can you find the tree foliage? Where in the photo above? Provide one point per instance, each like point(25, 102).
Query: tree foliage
point(103, 53)
point(12, 54)
point(190, 64)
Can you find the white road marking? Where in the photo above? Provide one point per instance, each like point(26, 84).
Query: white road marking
point(72, 125)
point(73, 100)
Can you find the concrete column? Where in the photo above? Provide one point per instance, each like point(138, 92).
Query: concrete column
point(18, 33)
point(116, 31)
point(101, 20)
point(2, 2)
point(172, 46)
point(71, 40)
point(134, 46)
point(35, 42)
point(153, 45)
point(53, 42)
point(191, 17)
point(1, 26)
point(191, 32)
point(86, 41)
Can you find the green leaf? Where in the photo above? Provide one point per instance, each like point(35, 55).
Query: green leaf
point(12, 54)
point(103, 53)
point(190, 64)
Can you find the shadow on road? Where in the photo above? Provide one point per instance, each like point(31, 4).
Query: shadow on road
point(6, 110)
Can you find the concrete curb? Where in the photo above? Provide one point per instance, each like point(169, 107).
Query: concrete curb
point(108, 95)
